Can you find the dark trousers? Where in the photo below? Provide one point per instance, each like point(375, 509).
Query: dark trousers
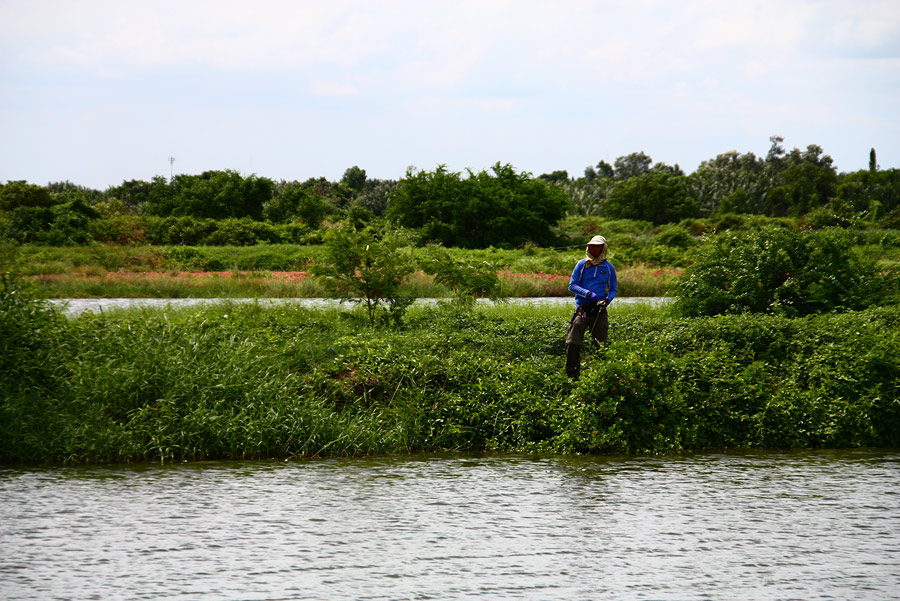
point(598, 327)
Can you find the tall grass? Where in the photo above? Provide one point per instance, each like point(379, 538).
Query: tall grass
point(247, 381)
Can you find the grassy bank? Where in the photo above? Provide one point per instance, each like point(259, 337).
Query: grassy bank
point(278, 271)
point(242, 381)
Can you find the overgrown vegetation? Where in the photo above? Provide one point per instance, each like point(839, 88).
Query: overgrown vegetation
point(785, 333)
point(777, 270)
point(241, 381)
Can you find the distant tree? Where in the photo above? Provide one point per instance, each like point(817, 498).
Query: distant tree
point(664, 168)
point(335, 193)
point(556, 177)
point(354, 178)
point(656, 197)
point(604, 169)
point(808, 182)
point(71, 224)
point(15, 194)
point(483, 209)
point(588, 196)
point(26, 224)
point(134, 194)
point(297, 202)
point(873, 163)
point(864, 187)
point(731, 175)
point(776, 150)
point(632, 165)
point(376, 195)
point(67, 191)
point(212, 194)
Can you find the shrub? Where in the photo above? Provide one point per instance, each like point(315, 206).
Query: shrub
point(781, 271)
point(367, 266)
point(467, 279)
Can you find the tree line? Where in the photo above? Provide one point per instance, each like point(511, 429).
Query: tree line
point(499, 206)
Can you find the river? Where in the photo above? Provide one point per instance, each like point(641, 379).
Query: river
point(77, 306)
point(799, 525)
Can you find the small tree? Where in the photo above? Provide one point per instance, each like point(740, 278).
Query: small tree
point(468, 280)
point(367, 266)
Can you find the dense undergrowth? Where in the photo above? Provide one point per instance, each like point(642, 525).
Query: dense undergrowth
point(245, 381)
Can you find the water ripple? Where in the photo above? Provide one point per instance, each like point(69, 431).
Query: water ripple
point(745, 526)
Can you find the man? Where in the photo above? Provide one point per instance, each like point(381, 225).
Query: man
point(595, 286)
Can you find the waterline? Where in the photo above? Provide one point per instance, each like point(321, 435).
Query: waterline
point(76, 306)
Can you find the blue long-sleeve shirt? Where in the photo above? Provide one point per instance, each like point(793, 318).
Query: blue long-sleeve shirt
point(599, 279)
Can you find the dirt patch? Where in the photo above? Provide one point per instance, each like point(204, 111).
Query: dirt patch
point(293, 276)
point(550, 277)
point(661, 272)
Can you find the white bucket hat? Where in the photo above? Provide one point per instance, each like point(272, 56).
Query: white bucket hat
point(597, 240)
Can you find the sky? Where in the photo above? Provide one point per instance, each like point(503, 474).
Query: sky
point(97, 92)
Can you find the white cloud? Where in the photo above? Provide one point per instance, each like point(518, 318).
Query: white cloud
point(581, 77)
point(334, 89)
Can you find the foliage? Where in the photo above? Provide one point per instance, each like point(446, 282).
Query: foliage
point(26, 224)
point(657, 197)
point(367, 266)
point(731, 182)
point(30, 344)
point(499, 207)
point(60, 225)
point(354, 178)
point(296, 201)
point(245, 381)
point(484, 209)
point(777, 270)
point(862, 188)
point(213, 195)
point(468, 279)
point(16, 194)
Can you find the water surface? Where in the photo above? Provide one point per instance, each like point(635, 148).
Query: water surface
point(805, 525)
point(76, 306)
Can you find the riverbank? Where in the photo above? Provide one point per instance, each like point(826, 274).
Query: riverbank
point(249, 381)
point(637, 281)
point(281, 271)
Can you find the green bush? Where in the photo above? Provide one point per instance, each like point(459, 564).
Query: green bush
point(122, 229)
point(776, 270)
point(467, 279)
point(25, 224)
point(367, 266)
